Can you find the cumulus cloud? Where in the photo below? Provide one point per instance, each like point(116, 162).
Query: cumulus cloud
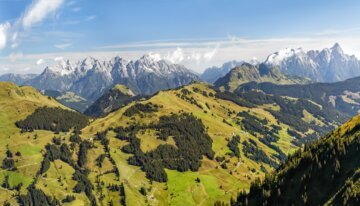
point(176, 56)
point(3, 34)
point(155, 56)
point(40, 62)
point(34, 14)
point(209, 55)
point(57, 59)
point(62, 46)
point(39, 10)
point(180, 55)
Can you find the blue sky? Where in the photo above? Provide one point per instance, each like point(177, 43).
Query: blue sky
point(197, 33)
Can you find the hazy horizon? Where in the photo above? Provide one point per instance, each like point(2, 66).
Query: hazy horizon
point(198, 34)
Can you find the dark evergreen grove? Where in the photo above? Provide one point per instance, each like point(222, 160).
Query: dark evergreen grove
point(253, 152)
point(233, 145)
point(139, 108)
point(53, 119)
point(326, 170)
point(61, 151)
point(192, 142)
point(36, 197)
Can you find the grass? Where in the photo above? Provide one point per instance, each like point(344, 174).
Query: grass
point(15, 104)
point(215, 183)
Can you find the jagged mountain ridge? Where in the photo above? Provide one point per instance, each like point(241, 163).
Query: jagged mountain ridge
point(90, 78)
point(327, 65)
point(18, 79)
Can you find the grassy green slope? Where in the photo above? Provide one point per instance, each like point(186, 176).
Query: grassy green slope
point(16, 103)
point(218, 180)
point(255, 73)
point(220, 120)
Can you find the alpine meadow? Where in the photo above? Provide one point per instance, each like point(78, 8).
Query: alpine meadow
point(194, 102)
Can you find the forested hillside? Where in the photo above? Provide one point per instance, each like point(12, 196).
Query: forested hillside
point(342, 96)
point(190, 145)
point(324, 173)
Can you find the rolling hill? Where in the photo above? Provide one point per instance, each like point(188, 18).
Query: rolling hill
point(25, 149)
point(255, 73)
point(190, 145)
point(112, 100)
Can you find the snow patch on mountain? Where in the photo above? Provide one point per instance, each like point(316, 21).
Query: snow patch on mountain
point(327, 65)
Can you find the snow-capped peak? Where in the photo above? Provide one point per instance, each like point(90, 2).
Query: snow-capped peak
point(277, 57)
point(337, 49)
point(62, 67)
point(154, 57)
point(254, 61)
point(329, 64)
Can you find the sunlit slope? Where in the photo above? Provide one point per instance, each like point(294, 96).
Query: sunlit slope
point(16, 103)
point(219, 179)
point(246, 141)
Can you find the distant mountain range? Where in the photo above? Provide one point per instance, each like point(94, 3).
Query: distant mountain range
point(327, 65)
point(18, 79)
point(90, 78)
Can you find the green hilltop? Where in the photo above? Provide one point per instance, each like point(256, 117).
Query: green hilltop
point(144, 153)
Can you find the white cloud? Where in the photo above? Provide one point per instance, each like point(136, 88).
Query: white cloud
point(57, 59)
point(14, 41)
point(5, 69)
point(196, 55)
point(3, 34)
point(209, 55)
point(39, 10)
point(62, 46)
point(155, 56)
point(176, 56)
point(40, 62)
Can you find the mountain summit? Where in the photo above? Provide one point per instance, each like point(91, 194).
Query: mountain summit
point(327, 65)
point(90, 78)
